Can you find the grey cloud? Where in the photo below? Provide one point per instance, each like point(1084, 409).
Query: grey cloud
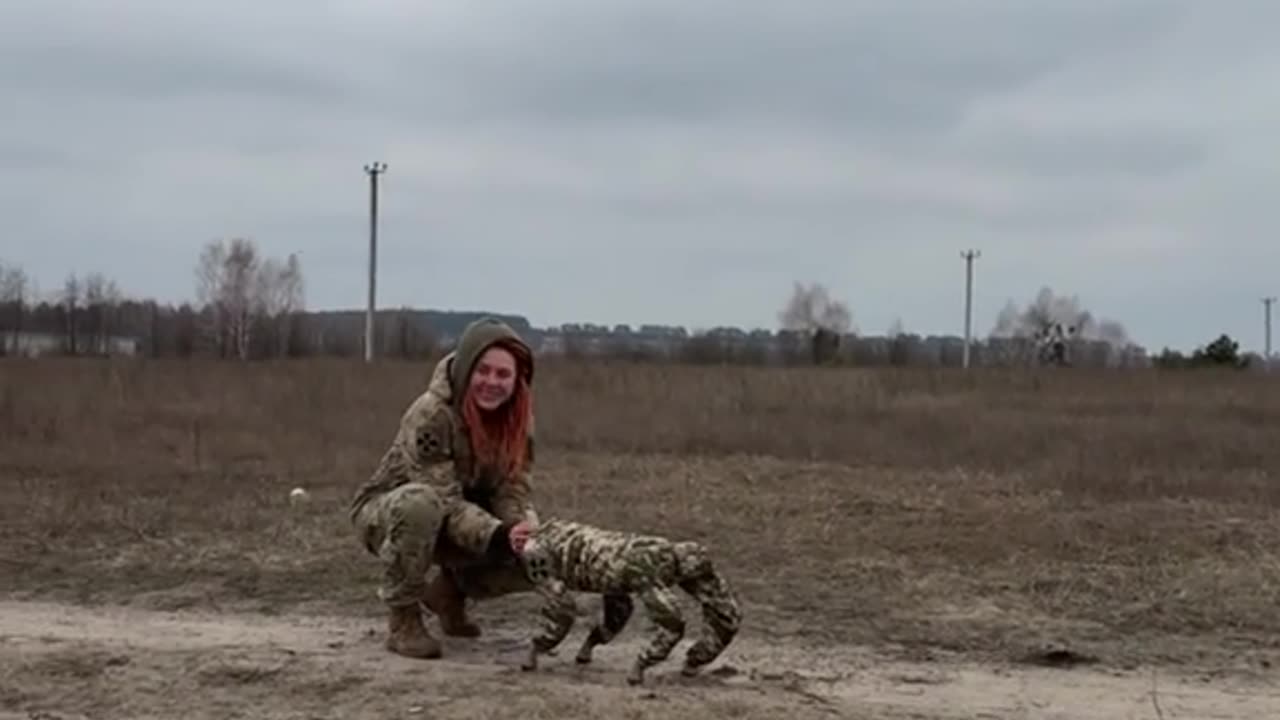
point(851, 67)
point(1085, 154)
point(855, 143)
point(17, 157)
point(167, 71)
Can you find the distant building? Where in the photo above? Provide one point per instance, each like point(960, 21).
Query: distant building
point(35, 344)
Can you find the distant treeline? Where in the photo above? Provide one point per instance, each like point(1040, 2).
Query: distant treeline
point(160, 330)
point(151, 329)
point(250, 307)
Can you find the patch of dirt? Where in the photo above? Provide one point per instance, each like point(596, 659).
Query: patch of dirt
point(64, 661)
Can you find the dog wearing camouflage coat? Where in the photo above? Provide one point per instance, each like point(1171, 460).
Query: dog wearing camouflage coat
point(564, 557)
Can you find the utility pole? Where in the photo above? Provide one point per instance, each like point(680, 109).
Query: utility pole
point(969, 256)
point(373, 170)
point(1266, 319)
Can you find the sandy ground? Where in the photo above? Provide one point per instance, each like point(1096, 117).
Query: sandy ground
point(62, 662)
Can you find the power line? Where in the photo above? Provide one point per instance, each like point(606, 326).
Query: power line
point(969, 256)
point(373, 171)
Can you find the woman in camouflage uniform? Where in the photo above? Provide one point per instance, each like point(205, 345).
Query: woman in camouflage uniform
point(453, 490)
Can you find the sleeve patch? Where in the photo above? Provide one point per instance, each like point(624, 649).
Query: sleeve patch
point(433, 434)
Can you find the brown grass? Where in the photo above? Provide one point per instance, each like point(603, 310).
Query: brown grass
point(1131, 514)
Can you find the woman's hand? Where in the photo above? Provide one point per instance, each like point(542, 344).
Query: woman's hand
point(519, 536)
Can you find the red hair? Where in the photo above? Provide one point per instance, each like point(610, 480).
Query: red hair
point(500, 438)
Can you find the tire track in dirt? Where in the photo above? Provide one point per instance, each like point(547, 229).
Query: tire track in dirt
point(69, 662)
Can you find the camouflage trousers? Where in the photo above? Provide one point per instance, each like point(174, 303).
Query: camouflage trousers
point(414, 527)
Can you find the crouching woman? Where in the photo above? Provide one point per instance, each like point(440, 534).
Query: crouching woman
point(453, 490)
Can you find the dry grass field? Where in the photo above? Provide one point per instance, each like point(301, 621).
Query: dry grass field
point(926, 532)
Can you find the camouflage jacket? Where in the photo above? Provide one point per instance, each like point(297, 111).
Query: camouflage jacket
point(431, 446)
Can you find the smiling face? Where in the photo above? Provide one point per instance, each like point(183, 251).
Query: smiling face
point(493, 380)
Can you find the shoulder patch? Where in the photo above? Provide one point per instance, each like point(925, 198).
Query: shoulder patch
point(431, 433)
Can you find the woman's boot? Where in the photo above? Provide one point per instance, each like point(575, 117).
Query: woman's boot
point(408, 636)
point(444, 598)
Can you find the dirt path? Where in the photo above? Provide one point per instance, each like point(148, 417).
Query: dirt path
point(59, 661)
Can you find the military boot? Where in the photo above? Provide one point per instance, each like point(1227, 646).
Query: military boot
point(445, 599)
point(408, 636)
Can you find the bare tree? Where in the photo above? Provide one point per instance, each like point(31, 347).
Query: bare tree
point(209, 293)
point(15, 290)
point(239, 279)
point(71, 307)
point(1045, 329)
point(293, 290)
point(293, 295)
point(811, 309)
point(226, 284)
point(101, 298)
point(241, 291)
point(899, 343)
point(277, 298)
point(265, 296)
point(811, 313)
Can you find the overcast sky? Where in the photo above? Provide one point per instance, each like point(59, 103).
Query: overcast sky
point(662, 161)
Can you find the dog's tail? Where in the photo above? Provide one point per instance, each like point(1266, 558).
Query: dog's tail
point(721, 610)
